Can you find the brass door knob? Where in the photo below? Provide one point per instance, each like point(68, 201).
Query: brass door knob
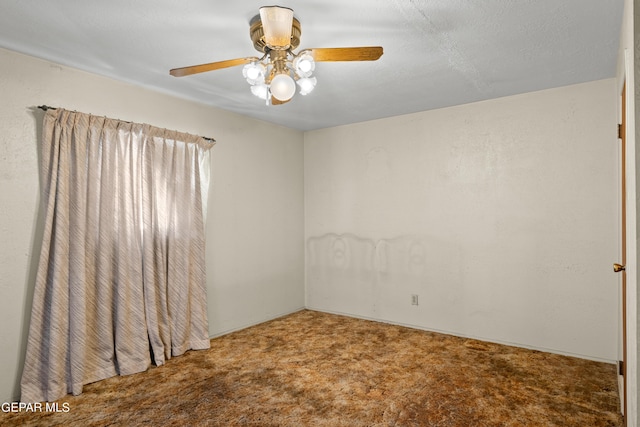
point(617, 268)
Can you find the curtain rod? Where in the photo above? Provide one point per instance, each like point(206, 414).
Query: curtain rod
point(46, 107)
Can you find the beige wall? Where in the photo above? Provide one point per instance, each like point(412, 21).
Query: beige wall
point(500, 215)
point(255, 222)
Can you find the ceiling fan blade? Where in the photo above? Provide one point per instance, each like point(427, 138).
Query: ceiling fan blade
point(370, 53)
point(195, 69)
point(276, 101)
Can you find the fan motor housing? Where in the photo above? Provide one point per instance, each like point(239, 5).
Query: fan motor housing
point(256, 33)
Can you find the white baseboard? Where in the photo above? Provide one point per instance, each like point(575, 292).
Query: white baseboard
point(510, 344)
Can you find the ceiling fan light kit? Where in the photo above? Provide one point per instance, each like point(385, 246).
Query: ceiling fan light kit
point(276, 23)
point(275, 32)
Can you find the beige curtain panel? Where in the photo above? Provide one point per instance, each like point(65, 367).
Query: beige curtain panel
point(121, 277)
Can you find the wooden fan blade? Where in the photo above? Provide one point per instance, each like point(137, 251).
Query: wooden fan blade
point(370, 53)
point(195, 69)
point(276, 101)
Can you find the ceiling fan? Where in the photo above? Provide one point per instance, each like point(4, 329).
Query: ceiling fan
point(275, 32)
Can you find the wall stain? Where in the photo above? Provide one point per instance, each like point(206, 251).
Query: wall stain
point(351, 272)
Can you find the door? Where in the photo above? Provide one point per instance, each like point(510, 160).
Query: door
point(620, 268)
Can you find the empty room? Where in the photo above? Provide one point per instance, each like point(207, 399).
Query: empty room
point(320, 213)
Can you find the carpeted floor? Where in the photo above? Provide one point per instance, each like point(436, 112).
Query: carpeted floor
point(318, 369)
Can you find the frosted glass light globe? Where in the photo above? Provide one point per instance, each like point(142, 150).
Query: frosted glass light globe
point(283, 87)
point(254, 73)
point(260, 90)
point(306, 85)
point(304, 65)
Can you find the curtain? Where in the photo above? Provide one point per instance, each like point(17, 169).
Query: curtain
point(121, 275)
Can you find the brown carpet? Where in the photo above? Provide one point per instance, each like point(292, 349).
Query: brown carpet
point(318, 369)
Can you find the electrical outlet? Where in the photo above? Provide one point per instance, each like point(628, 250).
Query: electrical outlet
point(414, 299)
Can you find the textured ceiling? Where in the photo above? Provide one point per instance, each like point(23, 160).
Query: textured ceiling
point(437, 53)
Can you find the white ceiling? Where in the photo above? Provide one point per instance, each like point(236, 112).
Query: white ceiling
point(437, 53)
